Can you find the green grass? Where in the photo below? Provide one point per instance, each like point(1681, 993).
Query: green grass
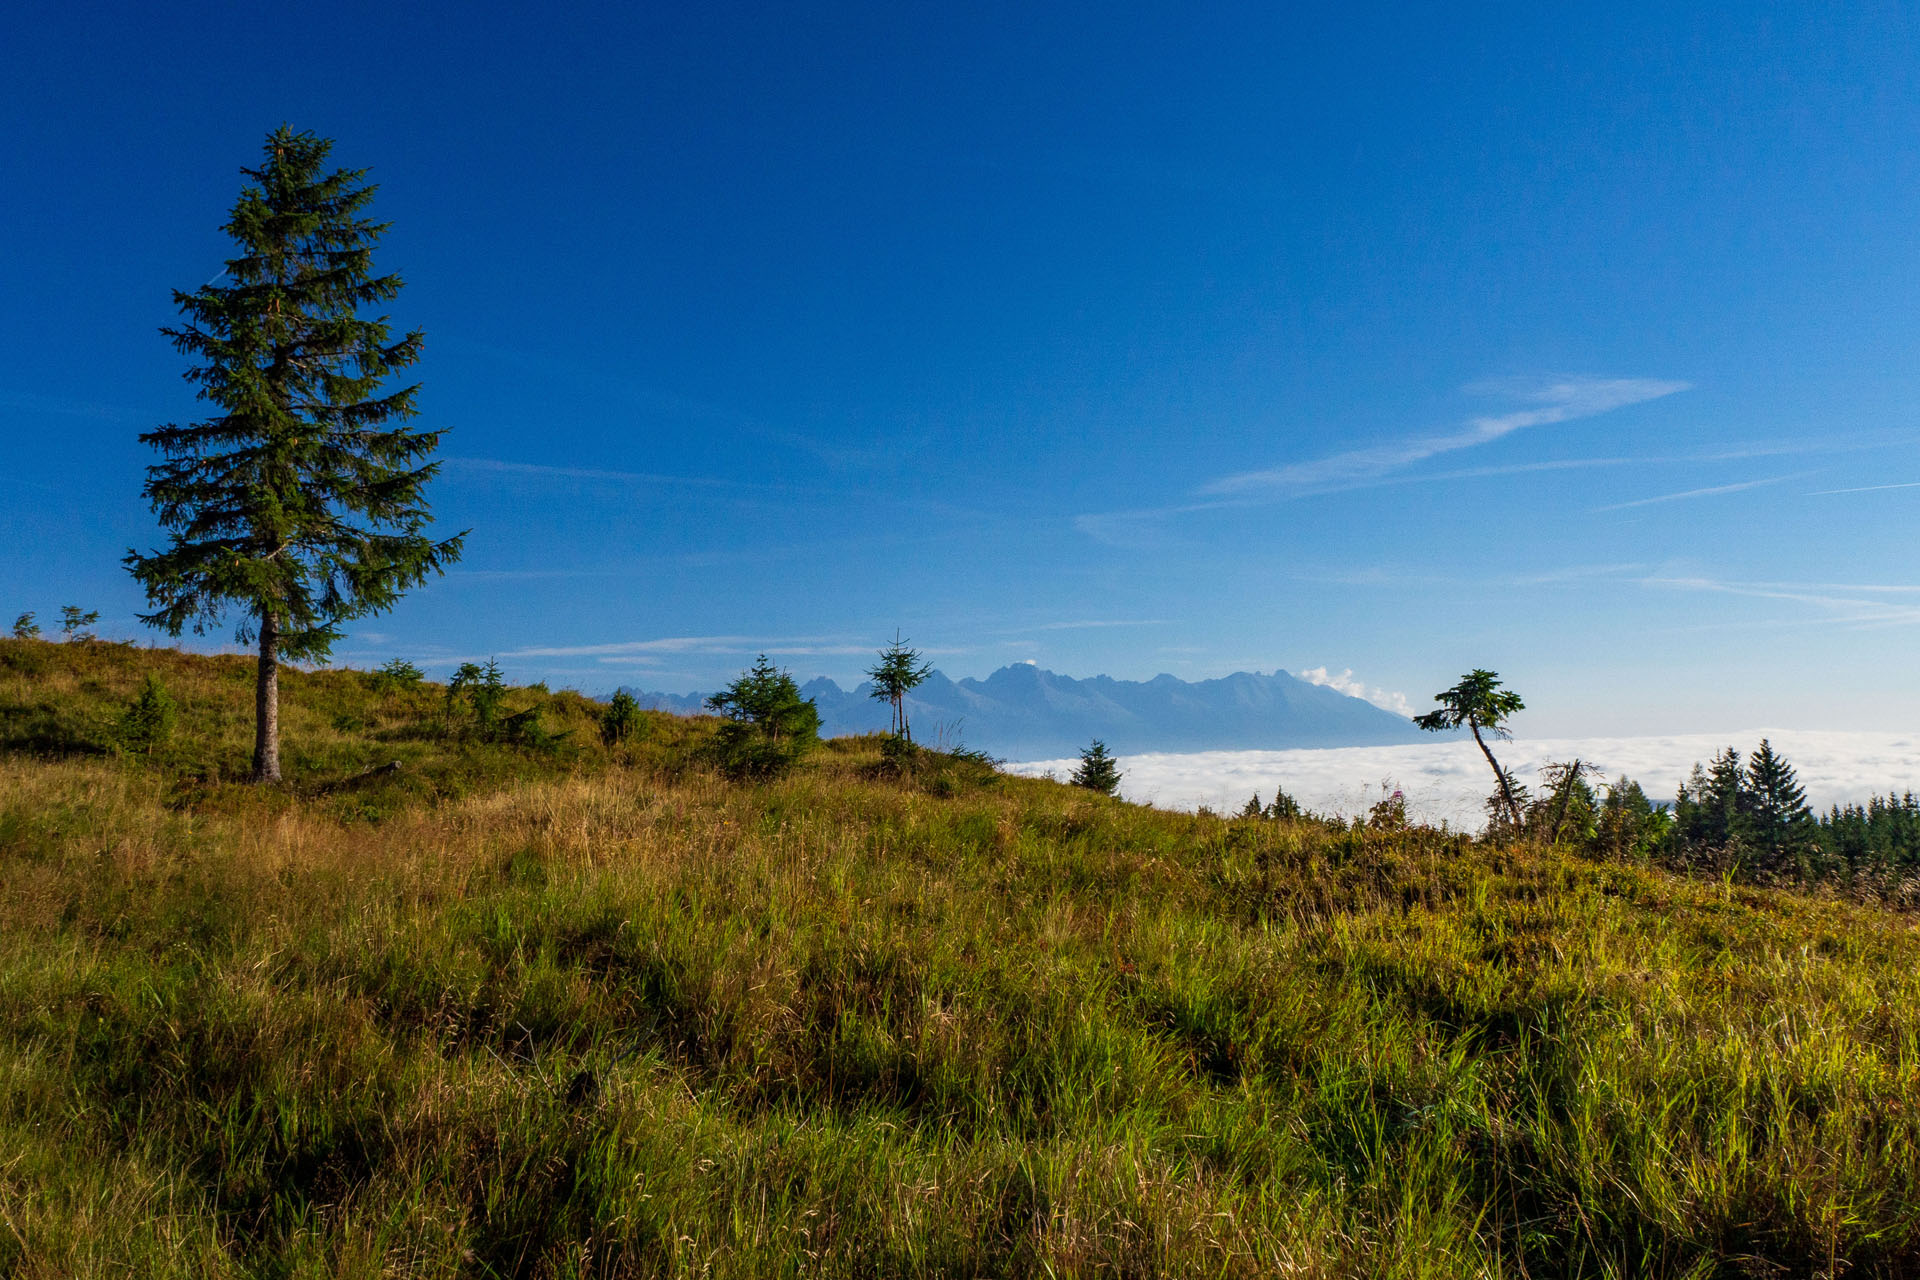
point(586, 1013)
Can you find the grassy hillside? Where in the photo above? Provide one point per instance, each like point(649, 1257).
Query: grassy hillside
point(579, 1011)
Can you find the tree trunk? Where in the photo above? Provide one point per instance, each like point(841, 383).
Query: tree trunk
point(1499, 775)
point(266, 704)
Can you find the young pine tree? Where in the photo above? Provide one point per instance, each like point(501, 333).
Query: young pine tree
point(769, 725)
point(1774, 806)
point(299, 500)
point(1706, 814)
point(1570, 809)
point(147, 721)
point(622, 720)
point(481, 694)
point(1479, 703)
point(898, 673)
point(1283, 807)
point(1098, 770)
point(76, 624)
point(1628, 825)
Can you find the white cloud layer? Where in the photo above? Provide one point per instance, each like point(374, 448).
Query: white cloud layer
point(1385, 699)
point(1449, 781)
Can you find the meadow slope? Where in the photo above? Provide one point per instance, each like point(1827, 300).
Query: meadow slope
point(578, 1010)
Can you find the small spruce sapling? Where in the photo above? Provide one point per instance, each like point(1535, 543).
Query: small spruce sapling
point(396, 676)
point(25, 628)
point(147, 721)
point(1283, 807)
point(484, 693)
point(622, 720)
point(1628, 825)
point(897, 674)
point(1098, 770)
point(769, 725)
point(76, 624)
point(1570, 809)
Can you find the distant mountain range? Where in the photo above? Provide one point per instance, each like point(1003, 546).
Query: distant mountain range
point(1028, 713)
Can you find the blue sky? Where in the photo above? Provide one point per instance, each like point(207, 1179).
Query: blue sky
point(1578, 345)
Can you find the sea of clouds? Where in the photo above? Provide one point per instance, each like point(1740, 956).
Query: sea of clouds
point(1449, 781)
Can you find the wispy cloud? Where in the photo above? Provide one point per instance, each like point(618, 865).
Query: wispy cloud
point(1387, 576)
point(1710, 491)
point(1866, 488)
point(1574, 573)
point(658, 404)
point(1559, 400)
point(1815, 440)
point(1858, 605)
point(1556, 400)
point(1343, 682)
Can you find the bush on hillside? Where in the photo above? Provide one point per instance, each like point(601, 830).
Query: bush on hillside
point(769, 725)
point(148, 720)
point(622, 720)
point(477, 706)
point(938, 771)
point(395, 676)
point(478, 695)
point(1098, 770)
point(76, 624)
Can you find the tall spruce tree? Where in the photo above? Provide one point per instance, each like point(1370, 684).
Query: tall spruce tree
point(1706, 812)
point(299, 500)
point(1774, 806)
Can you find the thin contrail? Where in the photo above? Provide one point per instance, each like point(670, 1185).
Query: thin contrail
point(1866, 488)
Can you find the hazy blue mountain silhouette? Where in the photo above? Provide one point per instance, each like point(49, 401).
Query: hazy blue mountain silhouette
point(1029, 713)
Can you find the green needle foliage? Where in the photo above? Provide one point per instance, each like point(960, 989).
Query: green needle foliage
point(396, 675)
point(1098, 771)
point(148, 720)
point(1479, 703)
point(1778, 820)
point(25, 628)
point(482, 693)
point(897, 674)
point(76, 624)
point(622, 720)
point(769, 725)
point(299, 501)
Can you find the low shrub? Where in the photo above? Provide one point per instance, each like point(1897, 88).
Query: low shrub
point(148, 720)
point(622, 720)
